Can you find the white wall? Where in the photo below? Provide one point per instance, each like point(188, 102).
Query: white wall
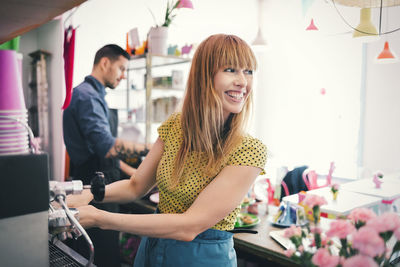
point(49, 37)
point(382, 114)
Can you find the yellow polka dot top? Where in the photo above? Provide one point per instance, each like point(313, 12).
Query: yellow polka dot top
point(251, 152)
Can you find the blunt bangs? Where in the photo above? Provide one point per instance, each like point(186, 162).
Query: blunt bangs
point(231, 51)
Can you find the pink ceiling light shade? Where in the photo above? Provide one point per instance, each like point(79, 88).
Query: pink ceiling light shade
point(185, 4)
point(386, 54)
point(312, 26)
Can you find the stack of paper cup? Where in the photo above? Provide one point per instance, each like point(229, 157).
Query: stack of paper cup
point(13, 113)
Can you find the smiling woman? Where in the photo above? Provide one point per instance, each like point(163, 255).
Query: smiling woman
point(233, 86)
point(203, 163)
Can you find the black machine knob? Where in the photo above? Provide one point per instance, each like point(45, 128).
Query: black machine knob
point(97, 186)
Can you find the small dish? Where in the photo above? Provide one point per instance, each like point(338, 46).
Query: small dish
point(239, 223)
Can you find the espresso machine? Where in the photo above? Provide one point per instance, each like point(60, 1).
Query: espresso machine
point(63, 223)
point(34, 218)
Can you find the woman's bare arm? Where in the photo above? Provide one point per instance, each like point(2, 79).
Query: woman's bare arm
point(214, 203)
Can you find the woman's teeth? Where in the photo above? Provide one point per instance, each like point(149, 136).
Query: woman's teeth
point(235, 95)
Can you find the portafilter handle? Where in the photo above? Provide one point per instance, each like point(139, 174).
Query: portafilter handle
point(65, 188)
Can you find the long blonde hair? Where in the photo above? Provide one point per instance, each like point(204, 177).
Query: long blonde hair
point(202, 118)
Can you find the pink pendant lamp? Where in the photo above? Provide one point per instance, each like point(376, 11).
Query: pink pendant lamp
point(312, 26)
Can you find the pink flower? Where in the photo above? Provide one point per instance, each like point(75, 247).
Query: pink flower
point(388, 221)
point(361, 215)
point(292, 231)
point(314, 200)
point(340, 228)
point(323, 258)
point(335, 188)
point(368, 242)
point(289, 252)
point(360, 261)
point(315, 230)
point(301, 248)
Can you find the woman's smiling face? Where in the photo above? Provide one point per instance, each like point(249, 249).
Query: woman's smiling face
point(233, 85)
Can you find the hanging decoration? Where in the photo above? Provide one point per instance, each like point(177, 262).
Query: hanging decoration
point(365, 27)
point(312, 26)
point(386, 56)
point(259, 40)
point(367, 4)
point(69, 52)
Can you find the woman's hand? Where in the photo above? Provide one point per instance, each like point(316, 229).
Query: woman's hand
point(88, 216)
point(74, 201)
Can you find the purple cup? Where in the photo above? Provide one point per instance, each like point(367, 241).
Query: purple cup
point(11, 126)
point(11, 92)
point(14, 148)
point(14, 152)
point(13, 112)
point(18, 144)
point(4, 141)
point(12, 132)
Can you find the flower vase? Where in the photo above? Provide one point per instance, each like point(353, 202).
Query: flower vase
point(157, 38)
point(335, 194)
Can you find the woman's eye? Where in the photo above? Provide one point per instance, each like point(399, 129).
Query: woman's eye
point(250, 72)
point(229, 70)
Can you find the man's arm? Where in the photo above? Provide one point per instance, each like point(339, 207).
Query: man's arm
point(124, 147)
point(125, 168)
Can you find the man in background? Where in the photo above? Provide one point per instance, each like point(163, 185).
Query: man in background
point(92, 147)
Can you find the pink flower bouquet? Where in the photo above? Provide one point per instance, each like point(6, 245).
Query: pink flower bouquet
point(363, 236)
point(311, 205)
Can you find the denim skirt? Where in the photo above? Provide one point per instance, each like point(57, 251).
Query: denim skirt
point(212, 248)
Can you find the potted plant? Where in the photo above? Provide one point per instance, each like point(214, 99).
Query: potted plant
point(157, 37)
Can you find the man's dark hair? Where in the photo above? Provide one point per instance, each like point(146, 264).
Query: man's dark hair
point(110, 51)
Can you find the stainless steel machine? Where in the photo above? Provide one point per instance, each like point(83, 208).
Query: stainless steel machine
point(63, 222)
point(32, 227)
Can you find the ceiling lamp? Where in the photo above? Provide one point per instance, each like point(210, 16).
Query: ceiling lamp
point(386, 56)
point(259, 41)
point(312, 26)
point(365, 28)
point(367, 3)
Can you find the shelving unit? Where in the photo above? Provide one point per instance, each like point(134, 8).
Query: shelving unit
point(148, 62)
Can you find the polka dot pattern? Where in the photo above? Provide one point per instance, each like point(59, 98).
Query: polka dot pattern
point(251, 152)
